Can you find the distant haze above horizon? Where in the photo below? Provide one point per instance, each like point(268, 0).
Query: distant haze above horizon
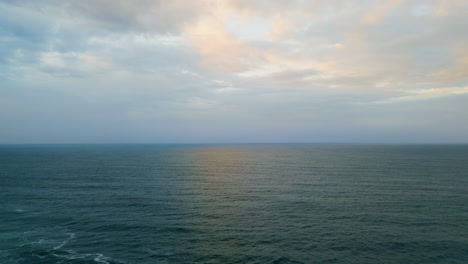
point(233, 71)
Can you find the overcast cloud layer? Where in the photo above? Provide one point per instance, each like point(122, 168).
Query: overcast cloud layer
point(112, 71)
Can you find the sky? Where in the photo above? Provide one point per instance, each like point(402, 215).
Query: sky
point(213, 71)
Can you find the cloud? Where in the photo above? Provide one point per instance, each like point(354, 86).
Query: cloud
point(281, 28)
point(380, 10)
point(160, 70)
point(72, 64)
point(220, 49)
point(457, 71)
point(424, 94)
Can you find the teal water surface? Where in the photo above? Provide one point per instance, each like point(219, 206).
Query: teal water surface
point(298, 203)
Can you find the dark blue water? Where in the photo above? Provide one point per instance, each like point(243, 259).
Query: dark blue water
point(233, 204)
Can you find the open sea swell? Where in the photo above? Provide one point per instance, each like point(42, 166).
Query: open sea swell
point(284, 203)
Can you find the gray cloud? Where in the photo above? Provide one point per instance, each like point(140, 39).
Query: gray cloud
point(213, 71)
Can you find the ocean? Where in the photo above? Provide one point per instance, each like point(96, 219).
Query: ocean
point(251, 203)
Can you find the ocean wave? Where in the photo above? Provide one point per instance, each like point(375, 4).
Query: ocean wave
point(37, 249)
point(71, 236)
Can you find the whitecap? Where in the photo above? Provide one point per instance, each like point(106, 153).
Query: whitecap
point(101, 259)
point(70, 237)
point(71, 255)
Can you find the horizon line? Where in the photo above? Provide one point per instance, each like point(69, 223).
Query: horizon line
point(246, 143)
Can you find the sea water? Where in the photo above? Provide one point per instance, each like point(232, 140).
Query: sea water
point(283, 203)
